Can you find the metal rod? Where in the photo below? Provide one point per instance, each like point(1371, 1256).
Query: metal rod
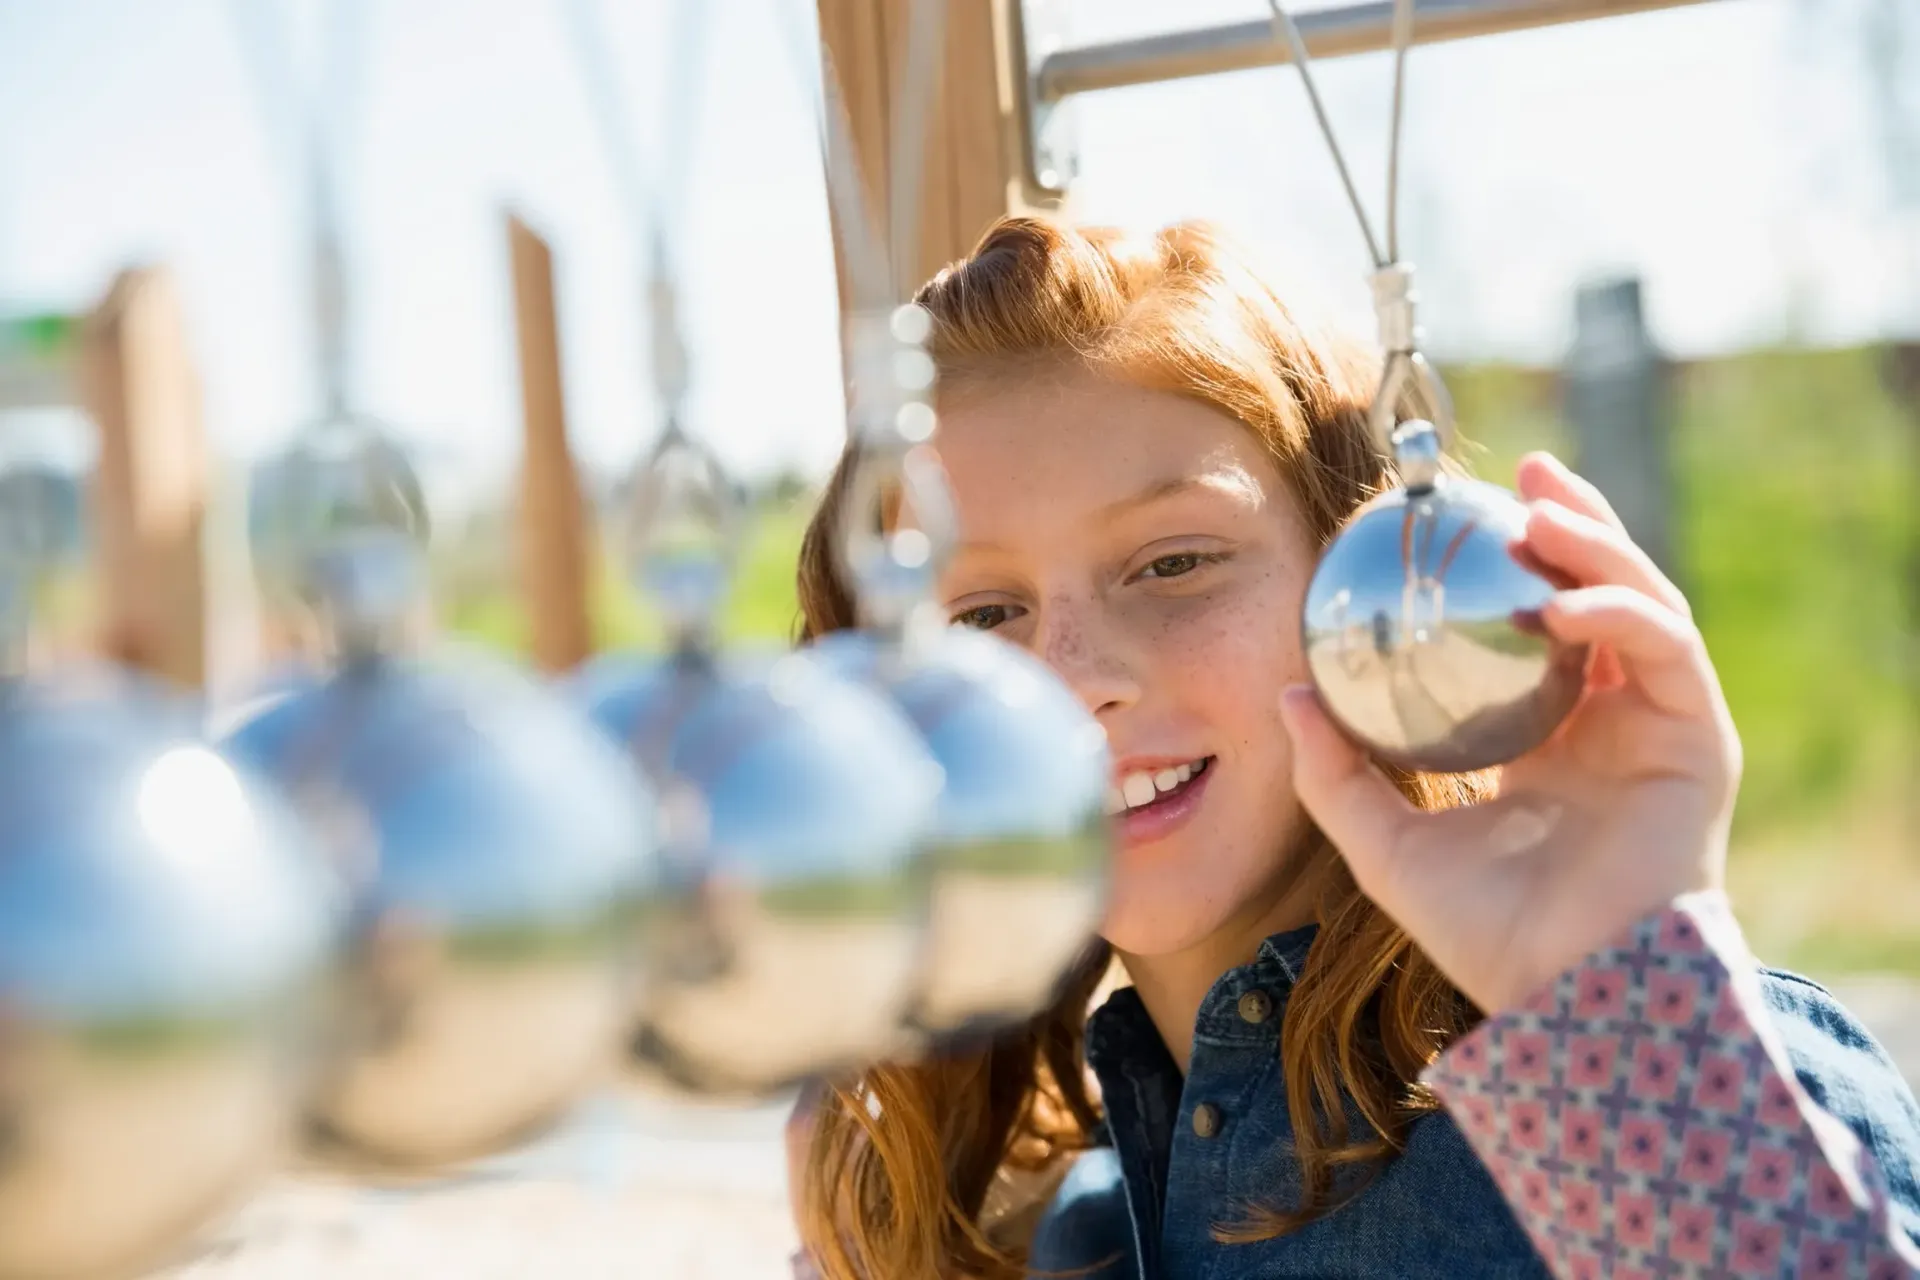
point(1329, 33)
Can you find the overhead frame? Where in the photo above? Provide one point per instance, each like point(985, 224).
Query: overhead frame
point(1056, 74)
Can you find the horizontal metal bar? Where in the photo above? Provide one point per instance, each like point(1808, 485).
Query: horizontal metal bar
point(1329, 33)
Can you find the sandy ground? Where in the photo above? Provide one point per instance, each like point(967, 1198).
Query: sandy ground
point(632, 1186)
point(629, 1187)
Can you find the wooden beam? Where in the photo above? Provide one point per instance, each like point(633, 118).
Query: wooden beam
point(555, 542)
point(981, 119)
point(150, 488)
point(972, 171)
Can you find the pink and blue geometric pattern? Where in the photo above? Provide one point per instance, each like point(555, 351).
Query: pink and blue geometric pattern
point(1642, 1117)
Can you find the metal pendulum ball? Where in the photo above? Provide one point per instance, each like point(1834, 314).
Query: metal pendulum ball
point(494, 846)
point(1020, 846)
point(165, 932)
point(786, 935)
point(1421, 629)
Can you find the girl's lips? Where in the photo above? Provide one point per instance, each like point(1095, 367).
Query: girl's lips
point(1166, 814)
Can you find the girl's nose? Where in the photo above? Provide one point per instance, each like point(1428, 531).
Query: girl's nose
point(1089, 660)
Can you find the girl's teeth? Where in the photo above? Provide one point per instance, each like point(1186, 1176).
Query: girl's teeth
point(1142, 788)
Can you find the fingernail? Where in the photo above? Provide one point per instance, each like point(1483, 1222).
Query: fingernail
point(1296, 698)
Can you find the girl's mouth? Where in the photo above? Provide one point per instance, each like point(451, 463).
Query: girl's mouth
point(1148, 805)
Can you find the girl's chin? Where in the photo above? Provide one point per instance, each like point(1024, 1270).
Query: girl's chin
point(1159, 915)
point(1173, 895)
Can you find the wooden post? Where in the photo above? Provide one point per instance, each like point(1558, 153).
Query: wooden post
point(150, 487)
point(973, 153)
point(554, 528)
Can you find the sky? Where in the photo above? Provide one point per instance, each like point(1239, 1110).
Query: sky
point(1725, 152)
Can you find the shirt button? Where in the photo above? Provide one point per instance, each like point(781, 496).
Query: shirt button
point(1206, 1120)
point(1256, 1006)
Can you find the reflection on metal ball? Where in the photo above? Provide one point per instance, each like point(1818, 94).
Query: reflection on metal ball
point(1021, 843)
point(496, 848)
point(166, 933)
point(1423, 632)
point(791, 934)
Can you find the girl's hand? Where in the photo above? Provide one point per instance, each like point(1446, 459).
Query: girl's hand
point(1626, 806)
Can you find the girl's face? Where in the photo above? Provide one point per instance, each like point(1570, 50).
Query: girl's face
point(1145, 546)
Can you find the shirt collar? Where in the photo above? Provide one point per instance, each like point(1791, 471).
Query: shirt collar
point(1121, 1037)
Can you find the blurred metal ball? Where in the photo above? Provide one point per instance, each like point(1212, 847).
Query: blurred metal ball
point(165, 938)
point(1423, 632)
point(496, 847)
point(1021, 844)
point(789, 941)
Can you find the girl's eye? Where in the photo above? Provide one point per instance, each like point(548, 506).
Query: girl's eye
point(1174, 566)
point(982, 617)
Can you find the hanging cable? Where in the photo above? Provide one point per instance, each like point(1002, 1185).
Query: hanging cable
point(890, 371)
point(1287, 30)
point(321, 121)
point(1408, 381)
point(684, 513)
point(1402, 37)
point(656, 203)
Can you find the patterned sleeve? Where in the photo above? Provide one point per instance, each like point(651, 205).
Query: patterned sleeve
point(1642, 1117)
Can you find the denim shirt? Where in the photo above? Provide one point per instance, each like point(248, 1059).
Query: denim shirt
point(1144, 1206)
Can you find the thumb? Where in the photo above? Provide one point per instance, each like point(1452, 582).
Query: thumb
point(1362, 813)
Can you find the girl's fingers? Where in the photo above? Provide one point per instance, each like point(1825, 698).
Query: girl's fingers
point(1658, 649)
point(1543, 476)
point(1592, 553)
point(1400, 856)
point(1364, 815)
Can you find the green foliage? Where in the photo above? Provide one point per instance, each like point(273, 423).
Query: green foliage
point(1797, 473)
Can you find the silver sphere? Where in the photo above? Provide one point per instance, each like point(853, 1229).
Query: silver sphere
point(1021, 842)
point(166, 933)
point(790, 939)
point(1422, 631)
point(496, 847)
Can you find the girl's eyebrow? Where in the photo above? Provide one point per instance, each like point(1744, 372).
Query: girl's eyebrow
point(1230, 479)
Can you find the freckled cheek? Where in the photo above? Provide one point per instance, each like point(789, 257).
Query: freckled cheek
point(1245, 644)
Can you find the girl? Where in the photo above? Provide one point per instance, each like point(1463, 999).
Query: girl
point(1378, 1024)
